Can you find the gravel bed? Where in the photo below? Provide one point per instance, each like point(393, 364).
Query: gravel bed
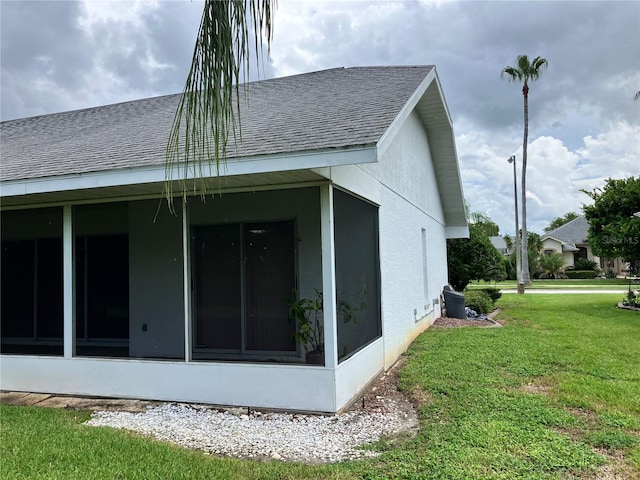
point(281, 436)
point(382, 412)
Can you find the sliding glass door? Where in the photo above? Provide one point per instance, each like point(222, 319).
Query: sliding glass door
point(243, 273)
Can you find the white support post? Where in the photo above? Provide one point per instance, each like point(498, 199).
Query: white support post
point(328, 277)
point(186, 272)
point(67, 283)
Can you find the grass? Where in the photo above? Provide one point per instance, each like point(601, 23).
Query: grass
point(42, 443)
point(553, 394)
point(592, 284)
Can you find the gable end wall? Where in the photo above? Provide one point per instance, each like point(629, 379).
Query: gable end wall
point(410, 203)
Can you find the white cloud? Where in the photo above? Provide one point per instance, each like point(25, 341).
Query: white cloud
point(555, 174)
point(614, 153)
point(124, 12)
point(60, 55)
point(584, 124)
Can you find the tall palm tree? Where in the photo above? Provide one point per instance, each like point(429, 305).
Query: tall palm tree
point(525, 71)
point(208, 111)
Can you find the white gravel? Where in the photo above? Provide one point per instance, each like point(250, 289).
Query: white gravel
point(281, 436)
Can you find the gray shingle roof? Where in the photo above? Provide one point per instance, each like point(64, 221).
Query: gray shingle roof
point(572, 232)
point(499, 243)
point(337, 108)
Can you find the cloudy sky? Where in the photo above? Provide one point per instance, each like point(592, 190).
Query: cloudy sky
point(584, 122)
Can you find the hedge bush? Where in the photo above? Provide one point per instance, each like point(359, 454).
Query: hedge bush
point(580, 274)
point(478, 300)
point(494, 293)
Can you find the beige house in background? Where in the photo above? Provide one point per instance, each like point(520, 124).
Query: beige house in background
point(570, 240)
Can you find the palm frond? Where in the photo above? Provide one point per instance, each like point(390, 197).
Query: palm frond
point(511, 74)
point(523, 63)
point(537, 66)
point(524, 69)
point(208, 111)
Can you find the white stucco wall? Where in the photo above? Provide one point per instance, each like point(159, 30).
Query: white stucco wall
point(410, 202)
point(551, 244)
point(407, 169)
point(590, 254)
point(354, 374)
point(406, 308)
point(568, 256)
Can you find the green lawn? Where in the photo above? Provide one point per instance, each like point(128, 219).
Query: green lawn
point(594, 284)
point(553, 394)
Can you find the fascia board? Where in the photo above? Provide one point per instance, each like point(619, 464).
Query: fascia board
point(457, 232)
point(142, 175)
point(452, 213)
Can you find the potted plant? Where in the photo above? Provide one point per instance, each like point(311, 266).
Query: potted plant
point(307, 313)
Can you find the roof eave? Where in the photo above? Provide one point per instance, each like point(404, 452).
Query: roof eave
point(261, 164)
point(457, 232)
point(549, 237)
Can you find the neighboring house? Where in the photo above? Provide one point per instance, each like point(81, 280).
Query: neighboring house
point(345, 181)
point(500, 244)
point(570, 240)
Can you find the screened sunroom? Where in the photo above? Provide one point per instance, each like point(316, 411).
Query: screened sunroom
point(209, 285)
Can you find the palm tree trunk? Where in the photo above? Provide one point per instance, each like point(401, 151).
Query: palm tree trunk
point(519, 283)
point(526, 279)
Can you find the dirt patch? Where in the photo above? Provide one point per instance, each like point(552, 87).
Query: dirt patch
point(76, 403)
point(447, 322)
point(538, 388)
point(614, 469)
point(420, 396)
point(383, 393)
point(22, 398)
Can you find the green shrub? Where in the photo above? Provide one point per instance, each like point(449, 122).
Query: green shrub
point(478, 300)
point(580, 273)
point(585, 264)
point(632, 299)
point(551, 263)
point(494, 293)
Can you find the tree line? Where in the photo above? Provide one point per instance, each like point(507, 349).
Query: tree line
point(614, 232)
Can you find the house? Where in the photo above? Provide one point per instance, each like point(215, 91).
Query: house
point(500, 244)
point(570, 241)
point(345, 182)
